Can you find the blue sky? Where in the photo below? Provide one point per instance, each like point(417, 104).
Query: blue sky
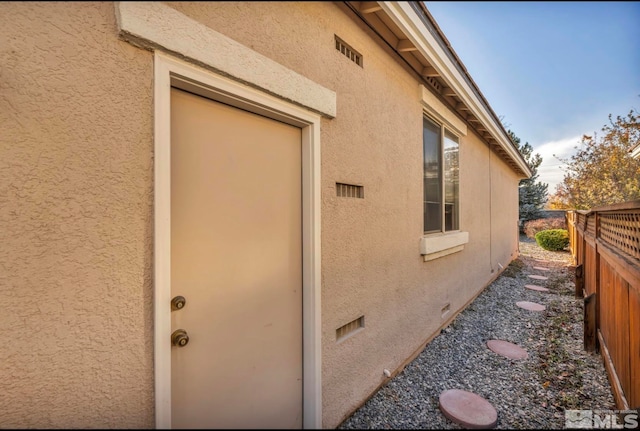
point(552, 70)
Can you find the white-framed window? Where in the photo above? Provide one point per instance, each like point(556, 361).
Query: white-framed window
point(441, 150)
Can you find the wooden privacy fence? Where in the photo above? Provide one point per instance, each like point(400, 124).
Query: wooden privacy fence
point(605, 245)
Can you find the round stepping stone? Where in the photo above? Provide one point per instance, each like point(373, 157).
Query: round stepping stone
point(468, 409)
point(538, 277)
point(535, 287)
point(533, 306)
point(541, 268)
point(507, 349)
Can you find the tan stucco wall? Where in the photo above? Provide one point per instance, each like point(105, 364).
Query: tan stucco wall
point(76, 195)
point(76, 168)
point(371, 264)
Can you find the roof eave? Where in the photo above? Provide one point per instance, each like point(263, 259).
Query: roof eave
point(430, 42)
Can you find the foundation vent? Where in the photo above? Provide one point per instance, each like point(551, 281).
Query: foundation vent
point(348, 52)
point(349, 191)
point(350, 328)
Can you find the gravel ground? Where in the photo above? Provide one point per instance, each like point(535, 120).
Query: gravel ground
point(527, 394)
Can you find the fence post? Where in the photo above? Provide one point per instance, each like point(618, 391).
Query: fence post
point(579, 281)
point(596, 307)
point(590, 323)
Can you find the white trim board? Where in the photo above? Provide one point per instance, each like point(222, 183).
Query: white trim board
point(439, 245)
point(154, 24)
point(172, 72)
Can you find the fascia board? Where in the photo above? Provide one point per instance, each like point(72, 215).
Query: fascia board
point(405, 17)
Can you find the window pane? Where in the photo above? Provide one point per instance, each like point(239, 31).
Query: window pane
point(432, 180)
point(451, 182)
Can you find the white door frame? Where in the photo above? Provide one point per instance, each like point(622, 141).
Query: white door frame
point(173, 72)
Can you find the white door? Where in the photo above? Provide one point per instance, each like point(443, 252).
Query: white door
point(236, 258)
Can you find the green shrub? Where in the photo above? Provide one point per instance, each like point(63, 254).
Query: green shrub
point(532, 227)
point(553, 239)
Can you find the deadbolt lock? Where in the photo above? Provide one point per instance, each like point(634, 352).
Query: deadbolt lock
point(179, 338)
point(178, 303)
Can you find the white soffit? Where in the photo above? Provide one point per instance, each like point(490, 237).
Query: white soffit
point(153, 24)
point(405, 17)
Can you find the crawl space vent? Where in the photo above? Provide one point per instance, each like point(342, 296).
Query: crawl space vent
point(350, 328)
point(349, 191)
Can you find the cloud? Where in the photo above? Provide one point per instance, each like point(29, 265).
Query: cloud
point(550, 170)
point(561, 148)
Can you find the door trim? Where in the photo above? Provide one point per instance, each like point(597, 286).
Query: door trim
point(173, 72)
point(153, 25)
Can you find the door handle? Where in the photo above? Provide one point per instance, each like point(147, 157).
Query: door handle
point(179, 338)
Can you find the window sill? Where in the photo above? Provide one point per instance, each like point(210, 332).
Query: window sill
point(439, 245)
